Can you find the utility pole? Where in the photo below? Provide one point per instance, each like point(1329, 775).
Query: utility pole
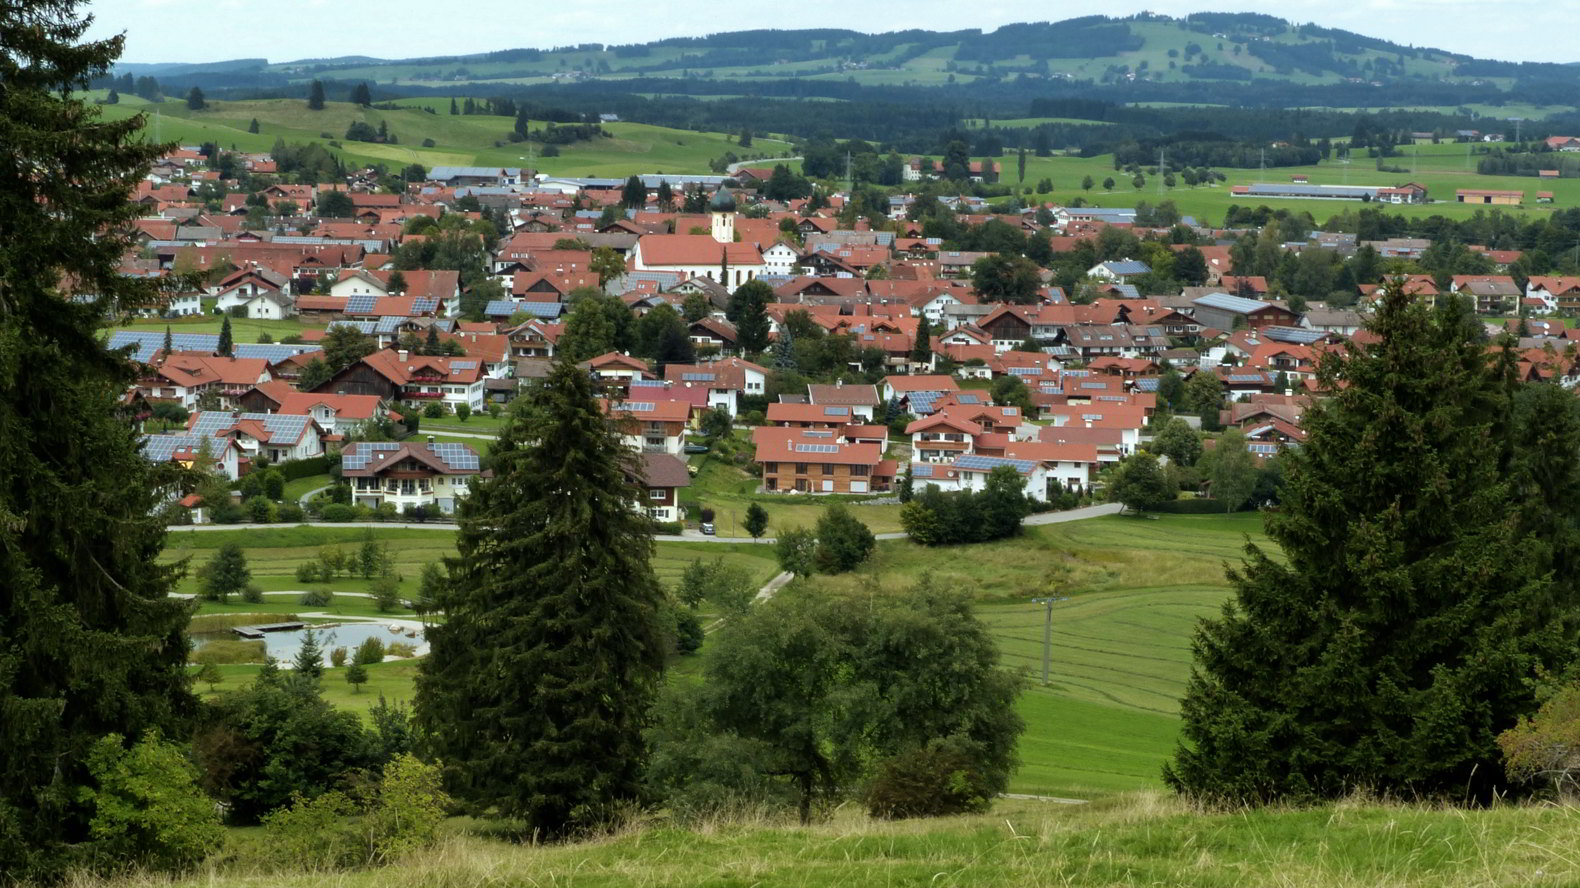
point(1047, 631)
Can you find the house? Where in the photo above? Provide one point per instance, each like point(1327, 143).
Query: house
point(650, 425)
point(408, 475)
point(820, 461)
point(699, 255)
point(1564, 292)
point(1118, 270)
point(278, 437)
point(1492, 293)
point(617, 366)
point(224, 456)
point(1225, 312)
point(893, 387)
point(398, 375)
point(861, 399)
point(661, 476)
point(337, 415)
point(941, 437)
point(726, 380)
point(185, 377)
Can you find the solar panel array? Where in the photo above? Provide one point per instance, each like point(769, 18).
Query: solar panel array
point(363, 327)
point(922, 402)
point(160, 448)
point(817, 448)
point(146, 344)
point(818, 433)
point(272, 353)
point(836, 411)
point(1147, 384)
point(463, 365)
point(361, 303)
point(968, 398)
point(358, 456)
point(638, 406)
point(1025, 371)
point(424, 304)
point(456, 456)
point(390, 324)
point(696, 377)
point(979, 463)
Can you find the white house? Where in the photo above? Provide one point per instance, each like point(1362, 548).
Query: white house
point(430, 475)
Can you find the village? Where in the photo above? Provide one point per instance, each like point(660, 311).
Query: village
point(936, 382)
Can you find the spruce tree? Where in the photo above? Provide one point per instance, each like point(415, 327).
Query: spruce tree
point(91, 643)
point(227, 344)
point(315, 96)
point(538, 685)
point(1417, 606)
point(169, 343)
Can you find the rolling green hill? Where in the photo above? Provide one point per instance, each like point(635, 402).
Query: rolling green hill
point(458, 140)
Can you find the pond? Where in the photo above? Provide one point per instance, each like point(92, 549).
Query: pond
point(282, 646)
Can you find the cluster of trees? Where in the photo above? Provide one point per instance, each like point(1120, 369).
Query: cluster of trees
point(839, 543)
point(935, 518)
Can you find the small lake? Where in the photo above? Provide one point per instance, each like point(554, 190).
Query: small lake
point(282, 646)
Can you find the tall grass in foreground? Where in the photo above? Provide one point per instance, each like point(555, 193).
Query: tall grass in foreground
point(1137, 839)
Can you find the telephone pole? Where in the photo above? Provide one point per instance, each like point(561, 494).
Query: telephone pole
point(1047, 631)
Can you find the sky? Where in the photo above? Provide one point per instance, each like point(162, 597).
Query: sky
point(287, 30)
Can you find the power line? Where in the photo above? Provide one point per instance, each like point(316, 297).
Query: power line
point(1047, 631)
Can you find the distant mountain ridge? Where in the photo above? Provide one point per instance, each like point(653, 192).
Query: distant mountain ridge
point(1151, 48)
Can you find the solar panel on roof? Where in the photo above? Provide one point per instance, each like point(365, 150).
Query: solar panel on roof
point(361, 303)
point(424, 303)
point(638, 406)
point(836, 411)
point(463, 365)
point(696, 377)
point(978, 463)
point(818, 433)
point(389, 324)
point(816, 448)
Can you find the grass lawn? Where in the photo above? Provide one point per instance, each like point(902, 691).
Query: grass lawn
point(242, 330)
point(299, 487)
point(476, 424)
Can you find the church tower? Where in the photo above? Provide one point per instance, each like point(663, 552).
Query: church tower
point(722, 206)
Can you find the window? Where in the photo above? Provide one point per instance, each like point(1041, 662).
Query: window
point(828, 468)
point(800, 468)
point(657, 494)
point(860, 471)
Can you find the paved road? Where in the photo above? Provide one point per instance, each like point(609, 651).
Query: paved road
point(690, 536)
point(307, 497)
point(445, 433)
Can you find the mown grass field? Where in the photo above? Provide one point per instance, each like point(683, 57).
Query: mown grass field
point(729, 491)
point(1141, 839)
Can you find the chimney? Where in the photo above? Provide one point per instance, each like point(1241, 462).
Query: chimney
point(403, 354)
point(430, 439)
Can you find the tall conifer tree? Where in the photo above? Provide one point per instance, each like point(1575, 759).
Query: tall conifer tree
point(1420, 603)
point(90, 642)
point(539, 682)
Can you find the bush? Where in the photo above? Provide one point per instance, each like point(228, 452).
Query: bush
point(338, 512)
point(333, 831)
point(843, 542)
point(308, 572)
point(253, 594)
point(933, 782)
point(303, 468)
point(260, 510)
point(369, 652)
point(318, 598)
point(386, 593)
point(434, 410)
point(147, 808)
point(316, 834)
point(337, 657)
point(402, 649)
point(688, 631)
point(670, 528)
point(289, 513)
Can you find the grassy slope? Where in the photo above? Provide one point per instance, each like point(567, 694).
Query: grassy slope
point(459, 139)
point(1138, 840)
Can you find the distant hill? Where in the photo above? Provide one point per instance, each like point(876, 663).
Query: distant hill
point(1233, 47)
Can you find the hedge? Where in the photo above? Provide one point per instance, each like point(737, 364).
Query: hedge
point(305, 468)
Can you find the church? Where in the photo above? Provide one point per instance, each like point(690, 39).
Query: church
point(716, 256)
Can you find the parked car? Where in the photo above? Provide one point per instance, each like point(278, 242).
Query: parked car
point(707, 528)
point(695, 448)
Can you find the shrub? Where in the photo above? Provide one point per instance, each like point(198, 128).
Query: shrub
point(936, 781)
point(308, 572)
point(316, 834)
point(671, 528)
point(368, 652)
point(843, 541)
point(386, 593)
point(318, 597)
point(337, 657)
point(147, 807)
point(688, 630)
point(411, 805)
point(253, 594)
point(338, 512)
point(402, 649)
point(434, 410)
point(289, 513)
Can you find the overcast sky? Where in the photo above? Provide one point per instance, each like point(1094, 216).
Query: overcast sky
point(286, 30)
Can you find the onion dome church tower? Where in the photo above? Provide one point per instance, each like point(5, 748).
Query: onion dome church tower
point(722, 206)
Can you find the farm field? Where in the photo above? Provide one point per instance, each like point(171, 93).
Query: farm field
point(1105, 722)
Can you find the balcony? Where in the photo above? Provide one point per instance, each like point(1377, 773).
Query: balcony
point(421, 396)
